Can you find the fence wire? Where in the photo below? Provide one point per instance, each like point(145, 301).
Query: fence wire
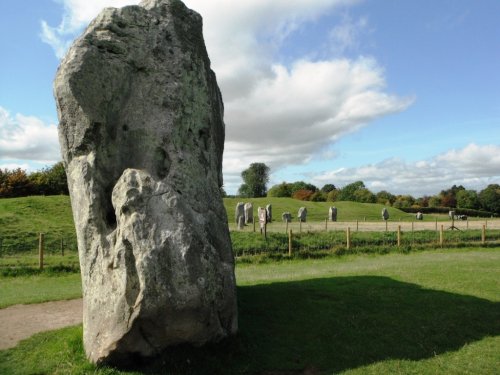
point(306, 237)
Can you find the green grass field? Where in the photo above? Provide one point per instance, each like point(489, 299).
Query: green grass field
point(432, 312)
point(22, 219)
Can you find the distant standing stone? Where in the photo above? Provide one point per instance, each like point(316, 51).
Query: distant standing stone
point(239, 212)
point(269, 212)
point(286, 217)
point(385, 214)
point(262, 213)
point(248, 213)
point(302, 214)
point(332, 213)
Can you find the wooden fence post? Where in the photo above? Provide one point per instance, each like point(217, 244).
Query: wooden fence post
point(483, 235)
point(286, 226)
point(357, 225)
point(326, 225)
point(300, 226)
point(441, 236)
point(399, 235)
point(348, 239)
point(386, 225)
point(290, 243)
point(40, 250)
point(436, 225)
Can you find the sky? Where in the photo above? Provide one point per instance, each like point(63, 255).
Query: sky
point(402, 95)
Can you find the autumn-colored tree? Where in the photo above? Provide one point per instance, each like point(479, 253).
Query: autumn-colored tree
point(17, 184)
point(303, 194)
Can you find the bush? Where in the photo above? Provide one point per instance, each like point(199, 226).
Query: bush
point(318, 196)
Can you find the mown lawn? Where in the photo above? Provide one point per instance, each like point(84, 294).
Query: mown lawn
point(422, 313)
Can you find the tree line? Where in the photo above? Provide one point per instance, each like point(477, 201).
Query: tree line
point(256, 177)
point(52, 181)
point(19, 183)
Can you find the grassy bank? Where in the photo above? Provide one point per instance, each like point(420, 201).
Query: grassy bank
point(426, 313)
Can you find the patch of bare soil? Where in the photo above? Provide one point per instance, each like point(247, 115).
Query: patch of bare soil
point(19, 322)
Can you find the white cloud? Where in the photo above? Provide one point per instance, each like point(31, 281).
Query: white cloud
point(474, 167)
point(13, 166)
point(274, 113)
point(293, 115)
point(347, 34)
point(27, 138)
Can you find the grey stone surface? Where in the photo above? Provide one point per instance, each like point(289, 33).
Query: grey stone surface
point(142, 136)
point(286, 217)
point(419, 216)
point(241, 222)
point(302, 214)
point(332, 213)
point(239, 211)
point(385, 214)
point(262, 214)
point(248, 213)
point(269, 213)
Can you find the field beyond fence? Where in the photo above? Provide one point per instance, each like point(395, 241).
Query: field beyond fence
point(316, 238)
point(279, 239)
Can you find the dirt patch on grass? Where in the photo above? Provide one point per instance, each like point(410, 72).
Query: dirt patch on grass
point(19, 322)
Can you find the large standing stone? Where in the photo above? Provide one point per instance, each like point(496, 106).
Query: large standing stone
point(385, 214)
point(142, 137)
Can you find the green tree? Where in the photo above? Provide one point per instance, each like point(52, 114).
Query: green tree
point(332, 196)
point(328, 188)
point(301, 185)
point(283, 190)
point(57, 180)
point(490, 198)
point(255, 179)
point(347, 193)
point(467, 199)
point(403, 201)
point(50, 181)
point(384, 197)
point(364, 195)
point(434, 201)
point(318, 196)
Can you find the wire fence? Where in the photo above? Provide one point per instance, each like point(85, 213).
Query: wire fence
point(369, 226)
point(53, 244)
point(308, 238)
point(316, 238)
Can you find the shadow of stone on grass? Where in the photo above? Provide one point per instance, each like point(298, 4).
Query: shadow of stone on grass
point(345, 322)
point(335, 324)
